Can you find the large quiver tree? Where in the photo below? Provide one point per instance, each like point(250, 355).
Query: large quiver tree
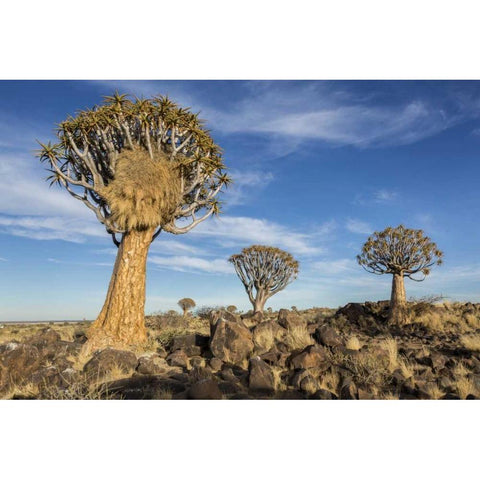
point(401, 252)
point(264, 271)
point(142, 167)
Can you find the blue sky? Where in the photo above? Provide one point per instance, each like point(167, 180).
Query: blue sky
point(317, 167)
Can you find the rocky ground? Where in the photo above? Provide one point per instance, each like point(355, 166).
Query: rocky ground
point(313, 354)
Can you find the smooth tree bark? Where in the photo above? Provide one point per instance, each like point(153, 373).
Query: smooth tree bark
point(120, 323)
point(401, 252)
point(398, 300)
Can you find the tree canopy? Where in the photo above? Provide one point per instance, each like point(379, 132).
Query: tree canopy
point(400, 251)
point(126, 153)
point(265, 269)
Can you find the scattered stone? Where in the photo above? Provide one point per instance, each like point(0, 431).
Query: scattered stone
point(152, 364)
point(290, 320)
point(231, 342)
point(327, 336)
point(192, 345)
point(178, 359)
point(261, 376)
point(310, 357)
point(105, 360)
point(206, 389)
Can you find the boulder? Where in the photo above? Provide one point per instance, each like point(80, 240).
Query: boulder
point(206, 389)
point(152, 364)
point(105, 360)
point(313, 356)
point(231, 342)
point(261, 376)
point(215, 364)
point(348, 390)
point(17, 362)
point(44, 337)
point(192, 344)
point(178, 359)
point(322, 394)
point(289, 320)
point(327, 336)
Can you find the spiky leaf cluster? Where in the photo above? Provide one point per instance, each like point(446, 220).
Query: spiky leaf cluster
point(84, 159)
point(266, 268)
point(401, 251)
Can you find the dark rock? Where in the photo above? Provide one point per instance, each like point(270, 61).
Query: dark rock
point(313, 356)
point(322, 394)
point(197, 361)
point(178, 359)
point(205, 390)
point(105, 360)
point(17, 362)
point(348, 390)
point(142, 387)
point(44, 337)
point(193, 344)
point(231, 388)
point(289, 320)
point(215, 364)
point(152, 364)
point(231, 342)
point(327, 336)
point(79, 336)
point(261, 376)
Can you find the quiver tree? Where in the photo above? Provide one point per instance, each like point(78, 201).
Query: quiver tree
point(264, 271)
point(401, 252)
point(142, 167)
point(186, 304)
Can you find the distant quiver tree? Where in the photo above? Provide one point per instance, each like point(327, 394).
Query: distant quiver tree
point(401, 252)
point(264, 271)
point(142, 166)
point(186, 304)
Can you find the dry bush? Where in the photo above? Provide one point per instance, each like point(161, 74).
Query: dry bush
point(434, 391)
point(391, 347)
point(353, 343)
point(471, 342)
point(28, 390)
point(265, 339)
point(330, 381)
point(279, 384)
point(465, 386)
point(298, 338)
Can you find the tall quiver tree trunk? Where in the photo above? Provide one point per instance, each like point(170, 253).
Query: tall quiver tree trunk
point(398, 301)
point(121, 321)
point(260, 299)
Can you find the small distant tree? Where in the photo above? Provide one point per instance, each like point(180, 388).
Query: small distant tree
point(401, 252)
point(186, 304)
point(143, 167)
point(231, 308)
point(264, 271)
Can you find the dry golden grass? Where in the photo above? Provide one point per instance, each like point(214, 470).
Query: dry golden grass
point(353, 343)
point(28, 390)
point(406, 368)
point(330, 381)
point(471, 342)
point(465, 386)
point(298, 338)
point(434, 391)
point(279, 385)
point(391, 347)
point(264, 338)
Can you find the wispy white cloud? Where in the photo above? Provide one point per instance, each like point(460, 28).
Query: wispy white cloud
point(51, 228)
point(358, 226)
point(3, 259)
point(243, 231)
point(315, 111)
point(68, 262)
point(185, 263)
point(246, 185)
